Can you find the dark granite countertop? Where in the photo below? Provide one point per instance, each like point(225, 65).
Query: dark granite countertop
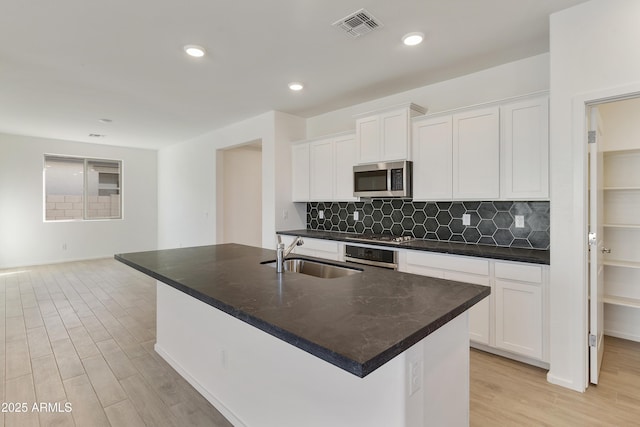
point(534, 256)
point(357, 322)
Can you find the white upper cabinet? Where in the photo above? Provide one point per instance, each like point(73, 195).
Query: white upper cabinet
point(432, 159)
point(321, 170)
point(385, 135)
point(344, 159)
point(394, 128)
point(476, 154)
point(525, 149)
point(368, 137)
point(300, 172)
point(500, 152)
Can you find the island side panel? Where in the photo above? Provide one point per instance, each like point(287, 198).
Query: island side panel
point(445, 376)
point(255, 379)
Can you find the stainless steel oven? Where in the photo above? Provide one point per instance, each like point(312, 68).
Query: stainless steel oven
point(378, 257)
point(386, 179)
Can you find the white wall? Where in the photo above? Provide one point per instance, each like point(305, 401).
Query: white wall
point(593, 56)
point(621, 125)
point(504, 81)
point(188, 214)
point(242, 195)
point(25, 239)
point(287, 129)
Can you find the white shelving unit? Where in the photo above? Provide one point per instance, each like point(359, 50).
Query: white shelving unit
point(622, 301)
point(622, 236)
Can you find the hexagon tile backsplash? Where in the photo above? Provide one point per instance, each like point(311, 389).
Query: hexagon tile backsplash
point(491, 223)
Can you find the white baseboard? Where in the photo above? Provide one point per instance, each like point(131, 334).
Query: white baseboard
point(53, 262)
point(622, 335)
point(509, 355)
point(563, 382)
point(226, 412)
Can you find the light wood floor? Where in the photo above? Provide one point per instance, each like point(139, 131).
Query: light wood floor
point(508, 393)
point(83, 333)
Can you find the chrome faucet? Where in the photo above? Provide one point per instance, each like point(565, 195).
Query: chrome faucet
point(281, 252)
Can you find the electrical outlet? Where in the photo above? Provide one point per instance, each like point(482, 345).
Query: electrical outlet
point(321, 214)
point(64, 246)
point(466, 219)
point(223, 358)
point(415, 376)
point(285, 214)
point(356, 215)
point(519, 221)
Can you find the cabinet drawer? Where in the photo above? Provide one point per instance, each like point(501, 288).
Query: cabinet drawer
point(521, 272)
point(468, 278)
point(329, 246)
point(449, 262)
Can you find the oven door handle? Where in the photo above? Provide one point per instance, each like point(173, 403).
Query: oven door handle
point(373, 263)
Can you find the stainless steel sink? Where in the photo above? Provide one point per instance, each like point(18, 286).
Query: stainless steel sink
point(315, 268)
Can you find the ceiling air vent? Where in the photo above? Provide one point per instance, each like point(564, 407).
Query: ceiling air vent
point(358, 23)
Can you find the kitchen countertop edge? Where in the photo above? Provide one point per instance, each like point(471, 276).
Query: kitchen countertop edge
point(533, 256)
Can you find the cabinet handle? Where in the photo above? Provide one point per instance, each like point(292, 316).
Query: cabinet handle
point(606, 250)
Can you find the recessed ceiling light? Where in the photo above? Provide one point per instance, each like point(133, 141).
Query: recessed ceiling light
point(195, 51)
point(412, 39)
point(296, 86)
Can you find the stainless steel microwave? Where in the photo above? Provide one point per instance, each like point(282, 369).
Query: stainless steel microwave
point(387, 179)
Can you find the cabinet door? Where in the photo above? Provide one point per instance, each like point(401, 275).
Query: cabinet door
point(321, 170)
point(368, 139)
point(300, 173)
point(519, 322)
point(394, 131)
point(479, 314)
point(476, 155)
point(432, 154)
point(525, 149)
point(344, 159)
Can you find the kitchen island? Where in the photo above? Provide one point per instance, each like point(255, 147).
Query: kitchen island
point(376, 348)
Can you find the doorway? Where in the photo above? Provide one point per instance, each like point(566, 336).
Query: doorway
point(239, 194)
point(614, 225)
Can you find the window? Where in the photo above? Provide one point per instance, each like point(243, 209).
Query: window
point(82, 189)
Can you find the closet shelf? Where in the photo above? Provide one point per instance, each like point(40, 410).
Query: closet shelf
point(617, 263)
point(633, 226)
point(626, 302)
point(622, 151)
point(620, 188)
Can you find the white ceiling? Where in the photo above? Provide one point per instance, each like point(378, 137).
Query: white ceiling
point(65, 64)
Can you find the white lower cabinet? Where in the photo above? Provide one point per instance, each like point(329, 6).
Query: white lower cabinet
point(519, 318)
point(480, 314)
point(512, 321)
point(519, 309)
point(461, 269)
